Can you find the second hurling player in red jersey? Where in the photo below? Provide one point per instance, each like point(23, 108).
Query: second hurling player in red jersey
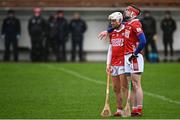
point(134, 63)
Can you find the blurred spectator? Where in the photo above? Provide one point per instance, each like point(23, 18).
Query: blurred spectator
point(52, 37)
point(168, 26)
point(37, 28)
point(11, 33)
point(62, 36)
point(77, 28)
point(149, 27)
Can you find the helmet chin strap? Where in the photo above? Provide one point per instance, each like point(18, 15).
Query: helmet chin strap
point(117, 25)
point(126, 18)
point(133, 15)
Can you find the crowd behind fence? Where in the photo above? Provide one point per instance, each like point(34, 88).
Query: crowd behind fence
point(49, 36)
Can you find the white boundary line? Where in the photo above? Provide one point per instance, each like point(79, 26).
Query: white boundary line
point(102, 83)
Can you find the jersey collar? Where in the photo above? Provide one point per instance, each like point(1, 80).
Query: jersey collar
point(121, 28)
point(133, 21)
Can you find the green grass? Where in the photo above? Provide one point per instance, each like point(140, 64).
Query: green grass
point(46, 91)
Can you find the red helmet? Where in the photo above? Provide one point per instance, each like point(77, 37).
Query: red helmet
point(131, 12)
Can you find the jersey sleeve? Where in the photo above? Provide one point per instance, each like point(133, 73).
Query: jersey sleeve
point(109, 55)
point(110, 37)
point(137, 27)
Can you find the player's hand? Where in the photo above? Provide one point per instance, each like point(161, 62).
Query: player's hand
point(108, 69)
point(133, 56)
point(103, 35)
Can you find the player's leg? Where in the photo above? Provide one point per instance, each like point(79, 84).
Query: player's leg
point(136, 81)
point(117, 91)
point(128, 70)
point(133, 102)
point(124, 86)
point(133, 97)
point(137, 69)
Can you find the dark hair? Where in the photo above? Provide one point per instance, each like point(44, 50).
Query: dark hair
point(60, 11)
point(168, 12)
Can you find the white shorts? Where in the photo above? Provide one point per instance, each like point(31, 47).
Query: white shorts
point(136, 66)
point(117, 70)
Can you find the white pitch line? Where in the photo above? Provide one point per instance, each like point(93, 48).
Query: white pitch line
point(162, 98)
point(102, 83)
point(76, 75)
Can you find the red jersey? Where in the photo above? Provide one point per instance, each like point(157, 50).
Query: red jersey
point(117, 42)
point(132, 29)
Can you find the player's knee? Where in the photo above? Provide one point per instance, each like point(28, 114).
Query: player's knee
point(116, 90)
point(134, 85)
point(125, 86)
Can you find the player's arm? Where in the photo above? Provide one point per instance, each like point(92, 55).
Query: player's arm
point(103, 35)
point(137, 28)
point(110, 29)
point(141, 45)
point(109, 57)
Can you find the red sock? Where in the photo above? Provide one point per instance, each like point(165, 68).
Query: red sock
point(139, 109)
point(134, 109)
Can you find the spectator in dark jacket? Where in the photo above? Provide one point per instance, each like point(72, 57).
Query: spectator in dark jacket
point(51, 44)
point(37, 29)
point(168, 26)
point(149, 27)
point(11, 31)
point(62, 36)
point(77, 27)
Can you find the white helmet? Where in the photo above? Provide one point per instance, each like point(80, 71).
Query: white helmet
point(116, 16)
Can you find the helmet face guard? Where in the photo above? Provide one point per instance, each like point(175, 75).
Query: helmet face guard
point(114, 23)
point(131, 12)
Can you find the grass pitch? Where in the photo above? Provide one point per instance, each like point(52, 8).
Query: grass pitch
point(68, 90)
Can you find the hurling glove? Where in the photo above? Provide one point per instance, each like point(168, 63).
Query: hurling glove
point(133, 56)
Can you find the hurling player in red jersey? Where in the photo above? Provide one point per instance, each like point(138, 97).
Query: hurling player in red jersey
point(134, 64)
point(115, 58)
point(134, 43)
